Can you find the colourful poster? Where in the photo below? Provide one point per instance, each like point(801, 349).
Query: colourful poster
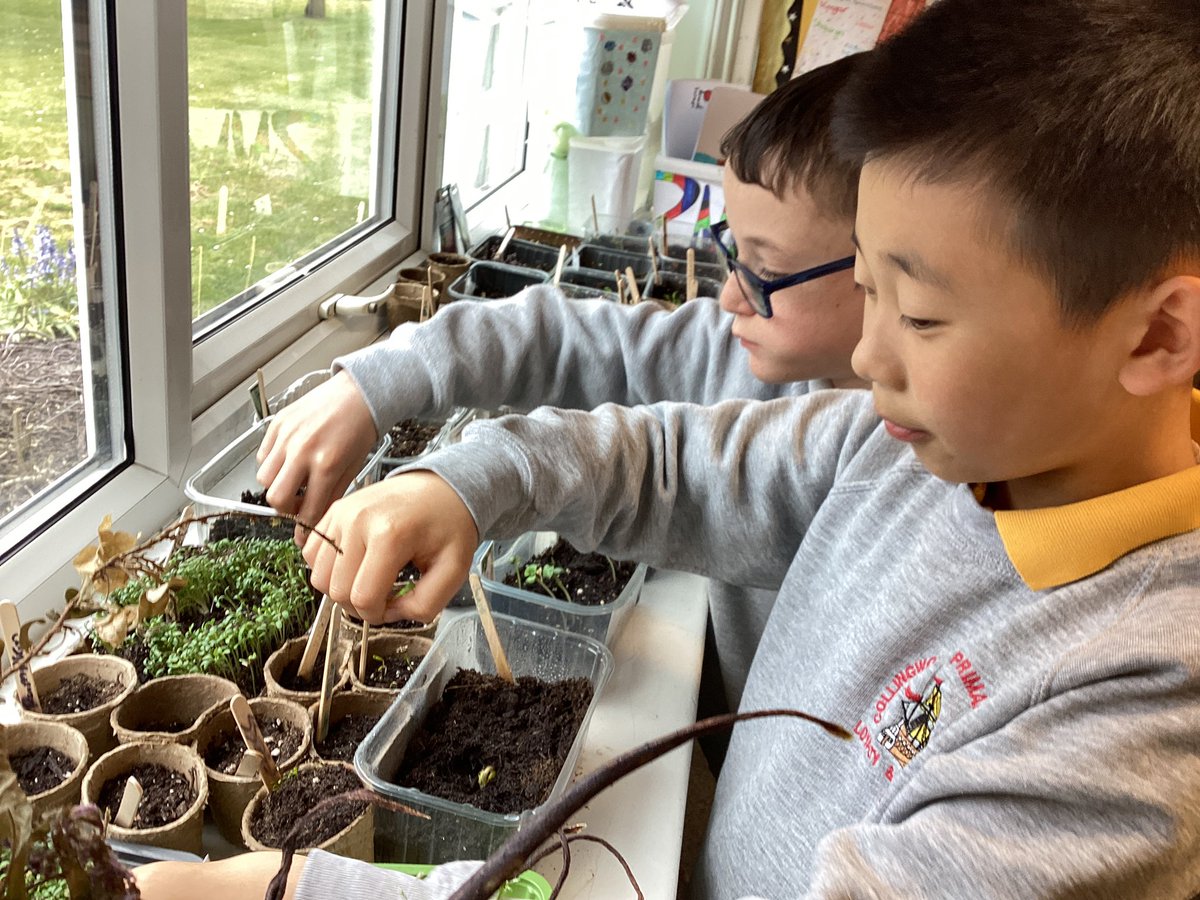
point(842, 27)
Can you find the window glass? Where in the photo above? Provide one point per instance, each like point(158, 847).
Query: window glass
point(485, 102)
point(283, 128)
point(60, 386)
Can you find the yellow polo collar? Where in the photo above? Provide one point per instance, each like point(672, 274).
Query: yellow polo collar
point(1056, 545)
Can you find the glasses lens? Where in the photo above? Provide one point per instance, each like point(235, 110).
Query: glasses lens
point(751, 291)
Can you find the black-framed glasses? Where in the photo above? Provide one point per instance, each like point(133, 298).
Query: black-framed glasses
point(757, 291)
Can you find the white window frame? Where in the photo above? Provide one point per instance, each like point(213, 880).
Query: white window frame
point(186, 401)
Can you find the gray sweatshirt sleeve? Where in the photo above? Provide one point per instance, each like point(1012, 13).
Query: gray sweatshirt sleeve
point(539, 348)
point(326, 876)
point(689, 487)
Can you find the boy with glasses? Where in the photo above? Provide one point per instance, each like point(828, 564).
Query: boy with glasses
point(791, 200)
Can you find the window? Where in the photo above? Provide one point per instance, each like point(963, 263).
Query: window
point(485, 101)
point(61, 385)
point(283, 126)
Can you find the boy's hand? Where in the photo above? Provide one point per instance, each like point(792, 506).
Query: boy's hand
point(416, 517)
point(318, 443)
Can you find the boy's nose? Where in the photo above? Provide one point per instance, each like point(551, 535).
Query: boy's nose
point(732, 298)
point(872, 360)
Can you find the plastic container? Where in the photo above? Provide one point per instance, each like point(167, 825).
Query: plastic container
point(529, 885)
point(629, 243)
point(705, 252)
point(386, 461)
point(671, 287)
point(522, 254)
point(459, 830)
point(713, 271)
point(495, 280)
point(545, 236)
point(218, 485)
point(603, 259)
point(590, 278)
point(601, 623)
point(582, 292)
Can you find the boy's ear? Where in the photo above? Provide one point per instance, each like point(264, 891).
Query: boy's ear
point(1167, 350)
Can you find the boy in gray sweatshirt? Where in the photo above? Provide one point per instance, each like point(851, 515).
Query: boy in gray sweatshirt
point(989, 564)
point(790, 200)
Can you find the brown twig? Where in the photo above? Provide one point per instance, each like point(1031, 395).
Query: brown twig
point(511, 857)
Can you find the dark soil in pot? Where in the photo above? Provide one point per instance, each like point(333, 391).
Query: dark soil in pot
point(519, 733)
point(79, 693)
point(344, 737)
point(391, 673)
point(289, 678)
point(41, 769)
point(589, 579)
point(295, 798)
point(251, 526)
point(282, 739)
point(166, 796)
point(410, 437)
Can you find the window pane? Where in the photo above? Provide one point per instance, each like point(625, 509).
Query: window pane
point(60, 424)
point(284, 116)
point(486, 107)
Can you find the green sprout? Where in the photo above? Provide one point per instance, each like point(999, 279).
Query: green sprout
point(486, 776)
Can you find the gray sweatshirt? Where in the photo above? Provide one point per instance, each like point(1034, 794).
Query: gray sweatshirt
point(539, 349)
point(1009, 742)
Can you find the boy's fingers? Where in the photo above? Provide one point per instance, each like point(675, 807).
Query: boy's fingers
point(320, 556)
point(374, 582)
point(346, 567)
point(268, 443)
point(437, 585)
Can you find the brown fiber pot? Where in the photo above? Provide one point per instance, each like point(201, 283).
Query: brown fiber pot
point(451, 265)
point(228, 795)
point(355, 703)
point(417, 275)
point(292, 651)
point(66, 740)
point(94, 723)
point(386, 645)
point(186, 832)
point(404, 304)
point(185, 698)
point(355, 841)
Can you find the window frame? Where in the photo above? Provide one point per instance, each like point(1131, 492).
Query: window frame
point(186, 400)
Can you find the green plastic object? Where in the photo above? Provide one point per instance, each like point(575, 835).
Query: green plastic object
point(528, 885)
point(556, 214)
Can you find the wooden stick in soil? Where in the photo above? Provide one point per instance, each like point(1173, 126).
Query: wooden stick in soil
point(253, 737)
point(664, 236)
point(508, 236)
point(327, 678)
point(634, 294)
point(595, 218)
point(509, 860)
point(691, 275)
point(316, 636)
point(429, 282)
point(250, 765)
point(653, 261)
point(263, 406)
point(489, 629)
point(10, 628)
point(620, 287)
point(558, 266)
point(131, 799)
point(362, 652)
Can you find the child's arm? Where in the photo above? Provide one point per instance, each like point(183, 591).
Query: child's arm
point(537, 349)
point(725, 491)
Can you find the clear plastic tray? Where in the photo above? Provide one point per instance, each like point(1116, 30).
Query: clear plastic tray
point(384, 462)
point(217, 486)
point(601, 623)
point(459, 830)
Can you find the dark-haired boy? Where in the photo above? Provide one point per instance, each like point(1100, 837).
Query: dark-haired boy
point(790, 201)
point(995, 588)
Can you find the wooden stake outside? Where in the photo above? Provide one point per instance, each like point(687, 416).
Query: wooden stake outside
point(252, 735)
point(634, 294)
point(691, 275)
point(558, 266)
point(131, 799)
point(327, 678)
point(316, 635)
point(489, 630)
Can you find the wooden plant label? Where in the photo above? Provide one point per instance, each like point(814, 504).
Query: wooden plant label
point(328, 680)
point(489, 630)
point(691, 275)
point(130, 801)
point(316, 636)
point(362, 652)
point(634, 294)
point(252, 760)
point(252, 735)
point(10, 628)
point(558, 266)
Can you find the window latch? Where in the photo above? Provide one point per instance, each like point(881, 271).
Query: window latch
point(349, 306)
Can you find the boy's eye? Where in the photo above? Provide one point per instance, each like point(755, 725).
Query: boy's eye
point(768, 275)
point(865, 288)
point(917, 324)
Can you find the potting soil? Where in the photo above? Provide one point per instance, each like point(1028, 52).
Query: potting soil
point(41, 768)
point(344, 737)
point(410, 437)
point(588, 579)
point(166, 795)
point(282, 739)
point(391, 673)
point(290, 679)
point(79, 693)
point(293, 800)
point(523, 732)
